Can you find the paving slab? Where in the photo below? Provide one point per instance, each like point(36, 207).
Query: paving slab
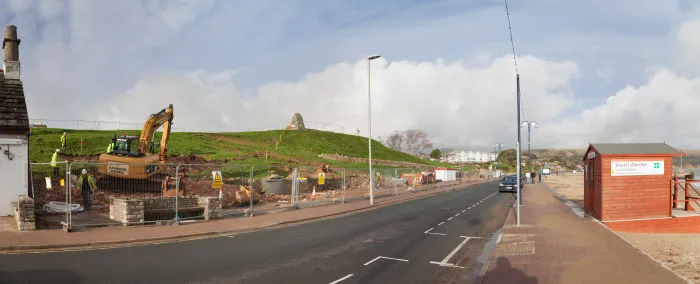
point(554, 245)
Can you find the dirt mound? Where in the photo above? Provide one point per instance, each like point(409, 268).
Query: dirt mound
point(189, 159)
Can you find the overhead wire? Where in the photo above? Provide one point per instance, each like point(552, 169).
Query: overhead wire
point(515, 60)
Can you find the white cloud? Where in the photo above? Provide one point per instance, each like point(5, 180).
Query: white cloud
point(458, 104)
point(468, 106)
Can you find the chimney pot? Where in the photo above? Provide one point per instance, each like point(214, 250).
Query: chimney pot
point(11, 32)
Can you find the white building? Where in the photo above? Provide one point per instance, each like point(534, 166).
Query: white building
point(14, 127)
point(470, 157)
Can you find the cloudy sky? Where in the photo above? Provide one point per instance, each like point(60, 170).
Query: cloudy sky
point(597, 70)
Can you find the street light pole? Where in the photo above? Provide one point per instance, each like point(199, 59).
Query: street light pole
point(529, 126)
point(369, 122)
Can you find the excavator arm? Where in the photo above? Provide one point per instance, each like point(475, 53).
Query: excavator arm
point(163, 118)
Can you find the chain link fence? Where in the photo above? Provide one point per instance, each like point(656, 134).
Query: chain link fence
point(88, 194)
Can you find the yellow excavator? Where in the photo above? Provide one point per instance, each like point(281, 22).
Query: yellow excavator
point(140, 162)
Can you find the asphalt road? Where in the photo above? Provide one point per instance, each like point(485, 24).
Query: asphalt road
point(392, 244)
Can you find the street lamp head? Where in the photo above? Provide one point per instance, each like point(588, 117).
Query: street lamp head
point(523, 124)
point(534, 124)
point(373, 57)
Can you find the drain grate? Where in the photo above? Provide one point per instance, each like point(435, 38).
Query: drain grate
point(519, 248)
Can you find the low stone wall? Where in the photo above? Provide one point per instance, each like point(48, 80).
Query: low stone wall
point(374, 161)
point(212, 207)
point(24, 213)
point(132, 211)
point(126, 211)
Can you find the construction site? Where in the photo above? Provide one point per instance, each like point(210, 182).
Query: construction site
point(170, 188)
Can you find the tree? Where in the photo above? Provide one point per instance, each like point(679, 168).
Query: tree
point(395, 141)
point(416, 141)
point(435, 154)
point(508, 157)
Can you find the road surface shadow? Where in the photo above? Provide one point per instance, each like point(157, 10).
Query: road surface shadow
point(506, 273)
point(40, 276)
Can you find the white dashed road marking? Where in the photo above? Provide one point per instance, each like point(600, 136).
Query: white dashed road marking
point(441, 223)
point(448, 219)
point(341, 279)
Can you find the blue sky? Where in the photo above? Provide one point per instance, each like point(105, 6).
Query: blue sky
point(239, 65)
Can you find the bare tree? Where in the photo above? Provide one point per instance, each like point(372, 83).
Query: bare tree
point(416, 141)
point(395, 141)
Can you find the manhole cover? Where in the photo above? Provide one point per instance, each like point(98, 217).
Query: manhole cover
point(519, 248)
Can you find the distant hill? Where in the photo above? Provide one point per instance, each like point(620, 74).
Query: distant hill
point(691, 160)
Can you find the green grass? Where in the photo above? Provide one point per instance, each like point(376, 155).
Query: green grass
point(249, 148)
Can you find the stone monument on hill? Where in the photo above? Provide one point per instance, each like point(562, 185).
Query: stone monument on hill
point(297, 123)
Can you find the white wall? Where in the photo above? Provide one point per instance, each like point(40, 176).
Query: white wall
point(445, 175)
point(14, 176)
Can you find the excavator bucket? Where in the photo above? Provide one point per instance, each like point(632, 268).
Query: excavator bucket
point(243, 196)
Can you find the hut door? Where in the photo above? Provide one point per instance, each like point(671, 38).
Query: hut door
point(591, 186)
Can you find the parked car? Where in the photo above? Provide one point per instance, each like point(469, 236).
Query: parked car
point(509, 183)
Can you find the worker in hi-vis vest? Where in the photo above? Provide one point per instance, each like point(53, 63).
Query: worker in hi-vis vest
point(110, 148)
point(54, 162)
point(86, 185)
point(63, 140)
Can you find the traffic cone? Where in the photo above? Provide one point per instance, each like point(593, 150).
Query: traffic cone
point(313, 194)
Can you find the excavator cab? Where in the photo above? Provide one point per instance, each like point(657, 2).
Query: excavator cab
point(123, 145)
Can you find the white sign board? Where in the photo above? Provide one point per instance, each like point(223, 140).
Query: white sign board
point(545, 171)
point(591, 154)
point(117, 168)
point(636, 168)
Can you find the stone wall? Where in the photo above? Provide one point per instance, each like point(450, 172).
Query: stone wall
point(24, 213)
point(132, 211)
point(337, 157)
point(212, 207)
point(157, 203)
point(126, 211)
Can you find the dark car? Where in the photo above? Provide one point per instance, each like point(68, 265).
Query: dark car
point(509, 183)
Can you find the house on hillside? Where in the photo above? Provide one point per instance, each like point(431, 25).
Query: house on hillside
point(471, 157)
point(14, 127)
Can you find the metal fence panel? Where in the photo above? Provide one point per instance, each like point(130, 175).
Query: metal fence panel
point(48, 189)
point(120, 193)
point(320, 185)
point(197, 182)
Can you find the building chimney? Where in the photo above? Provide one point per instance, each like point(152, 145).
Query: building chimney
point(10, 47)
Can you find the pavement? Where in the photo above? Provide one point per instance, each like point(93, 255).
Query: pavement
point(15, 241)
point(436, 239)
point(557, 243)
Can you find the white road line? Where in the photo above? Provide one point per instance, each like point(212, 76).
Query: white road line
point(404, 260)
point(444, 261)
point(441, 223)
point(428, 232)
point(448, 219)
point(465, 210)
point(457, 214)
point(470, 207)
point(446, 264)
point(341, 279)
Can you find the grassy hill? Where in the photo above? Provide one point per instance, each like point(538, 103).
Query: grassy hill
point(250, 148)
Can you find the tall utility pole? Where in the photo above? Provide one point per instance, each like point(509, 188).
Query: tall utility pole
point(369, 122)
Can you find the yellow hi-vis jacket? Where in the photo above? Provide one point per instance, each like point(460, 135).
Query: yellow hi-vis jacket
point(91, 183)
point(54, 160)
